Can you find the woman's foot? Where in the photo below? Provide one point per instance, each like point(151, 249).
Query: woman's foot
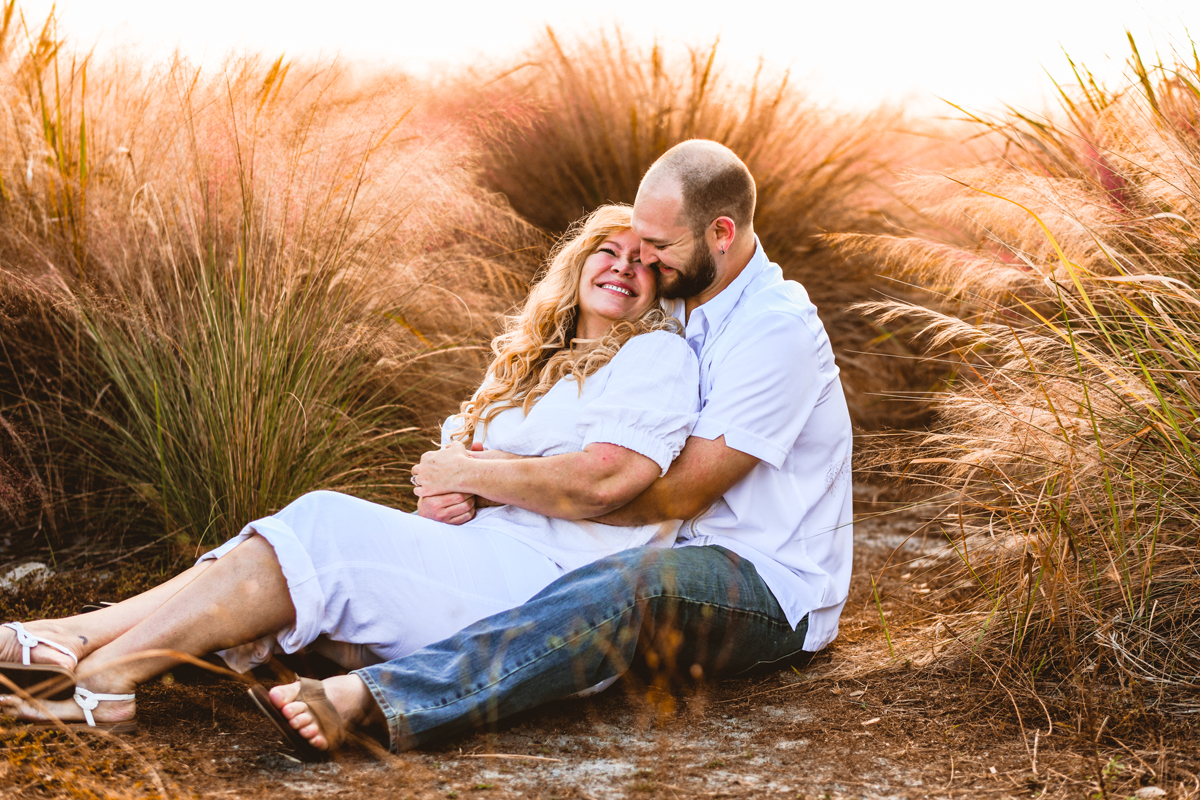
point(349, 697)
point(48, 643)
point(105, 713)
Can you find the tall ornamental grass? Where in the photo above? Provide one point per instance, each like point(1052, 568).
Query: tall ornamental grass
point(574, 124)
point(1070, 451)
point(222, 288)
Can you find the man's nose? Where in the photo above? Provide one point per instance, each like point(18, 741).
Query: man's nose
point(649, 255)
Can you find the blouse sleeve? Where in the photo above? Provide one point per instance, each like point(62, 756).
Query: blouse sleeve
point(650, 401)
point(453, 422)
point(450, 427)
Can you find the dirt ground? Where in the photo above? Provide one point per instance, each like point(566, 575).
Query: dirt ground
point(855, 723)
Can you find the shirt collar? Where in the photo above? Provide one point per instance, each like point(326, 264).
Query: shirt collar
point(712, 315)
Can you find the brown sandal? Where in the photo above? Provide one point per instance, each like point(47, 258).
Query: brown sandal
point(312, 694)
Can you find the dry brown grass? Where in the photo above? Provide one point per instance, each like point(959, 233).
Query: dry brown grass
point(222, 288)
point(1069, 460)
point(576, 124)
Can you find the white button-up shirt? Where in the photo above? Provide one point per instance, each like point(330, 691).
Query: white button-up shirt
point(769, 385)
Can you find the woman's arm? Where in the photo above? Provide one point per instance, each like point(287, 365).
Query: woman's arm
point(594, 481)
point(631, 432)
point(704, 471)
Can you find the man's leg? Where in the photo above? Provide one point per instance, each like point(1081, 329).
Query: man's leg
point(698, 610)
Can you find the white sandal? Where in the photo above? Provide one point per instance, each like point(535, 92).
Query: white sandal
point(88, 700)
point(38, 678)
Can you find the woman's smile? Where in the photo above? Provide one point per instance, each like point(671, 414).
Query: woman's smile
point(615, 285)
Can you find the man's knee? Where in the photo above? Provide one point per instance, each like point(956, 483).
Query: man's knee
point(655, 572)
point(637, 560)
point(635, 574)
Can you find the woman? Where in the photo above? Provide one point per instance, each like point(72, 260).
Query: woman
point(591, 375)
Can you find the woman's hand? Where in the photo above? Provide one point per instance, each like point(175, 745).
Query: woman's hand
point(580, 485)
point(443, 471)
point(453, 509)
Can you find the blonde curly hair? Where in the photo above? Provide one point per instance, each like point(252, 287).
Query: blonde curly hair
point(535, 351)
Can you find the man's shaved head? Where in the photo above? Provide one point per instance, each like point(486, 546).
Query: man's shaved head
point(713, 181)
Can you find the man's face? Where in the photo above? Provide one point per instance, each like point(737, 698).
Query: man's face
point(683, 260)
point(699, 273)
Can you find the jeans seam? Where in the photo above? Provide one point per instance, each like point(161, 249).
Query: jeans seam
point(389, 711)
point(735, 609)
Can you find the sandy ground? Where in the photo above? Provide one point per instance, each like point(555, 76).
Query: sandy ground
point(855, 723)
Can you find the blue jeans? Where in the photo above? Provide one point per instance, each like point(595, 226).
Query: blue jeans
point(699, 611)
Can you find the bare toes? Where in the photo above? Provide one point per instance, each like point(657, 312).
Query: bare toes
point(298, 714)
point(283, 694)
point(314, 736)
point(301, 719)
point(14, 706)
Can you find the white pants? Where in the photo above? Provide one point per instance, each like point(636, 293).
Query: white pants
point(372, 583)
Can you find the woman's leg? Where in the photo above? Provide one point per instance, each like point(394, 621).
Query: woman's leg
point(237, 599)
point(82, 634)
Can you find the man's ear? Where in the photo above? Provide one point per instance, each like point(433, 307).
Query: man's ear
point(725, 229)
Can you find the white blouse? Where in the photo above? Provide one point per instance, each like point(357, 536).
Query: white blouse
point(645, 399)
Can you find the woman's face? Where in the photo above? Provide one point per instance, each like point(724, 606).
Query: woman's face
point(614, 285)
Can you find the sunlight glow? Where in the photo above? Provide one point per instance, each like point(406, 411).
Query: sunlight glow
point(854, 54)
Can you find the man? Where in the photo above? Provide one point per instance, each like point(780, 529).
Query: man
point(761, 569)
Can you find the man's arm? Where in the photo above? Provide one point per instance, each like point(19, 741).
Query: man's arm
point(581, 485)
point(754, 411)
point(705, 470)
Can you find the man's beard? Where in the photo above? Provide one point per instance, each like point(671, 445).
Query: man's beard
point(699, 273)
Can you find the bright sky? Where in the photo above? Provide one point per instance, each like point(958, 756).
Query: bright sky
point(856, 54)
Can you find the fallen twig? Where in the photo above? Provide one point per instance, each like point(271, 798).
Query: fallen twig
point(512, 755)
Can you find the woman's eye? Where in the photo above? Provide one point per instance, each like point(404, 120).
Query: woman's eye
point(608, 250)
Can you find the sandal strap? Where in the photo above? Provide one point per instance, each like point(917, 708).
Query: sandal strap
point(88, 700)
point(312, 694)
point(28, 641)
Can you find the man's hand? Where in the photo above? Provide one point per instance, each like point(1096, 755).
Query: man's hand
point(454, 508)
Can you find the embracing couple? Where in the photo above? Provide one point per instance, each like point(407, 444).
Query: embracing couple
point(656, 468)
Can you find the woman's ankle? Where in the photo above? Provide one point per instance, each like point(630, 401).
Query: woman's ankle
point(103, 673)
point(106, 703)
